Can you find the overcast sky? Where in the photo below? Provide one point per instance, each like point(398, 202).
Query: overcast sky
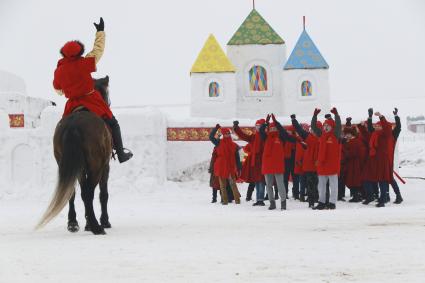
point(375, 49)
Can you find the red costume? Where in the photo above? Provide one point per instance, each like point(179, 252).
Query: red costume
point(274, 153)
point(73, 78)
point(329, 155)
point(251, 168)
point(225, 165)
point(354, 153)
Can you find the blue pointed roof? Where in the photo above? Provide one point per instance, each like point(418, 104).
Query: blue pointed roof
point(305, 55)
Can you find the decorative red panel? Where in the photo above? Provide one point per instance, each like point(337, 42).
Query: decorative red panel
point(16, 120)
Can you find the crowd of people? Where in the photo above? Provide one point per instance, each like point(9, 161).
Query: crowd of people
point(322, 160)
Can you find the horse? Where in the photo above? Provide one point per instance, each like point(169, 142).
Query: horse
point(82, 145)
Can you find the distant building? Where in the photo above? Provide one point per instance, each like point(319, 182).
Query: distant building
point(255, 77)
point(416, 124)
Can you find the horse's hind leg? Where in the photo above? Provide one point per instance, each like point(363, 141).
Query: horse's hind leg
point(104, 196)
point(72, 216)
point(87, 193)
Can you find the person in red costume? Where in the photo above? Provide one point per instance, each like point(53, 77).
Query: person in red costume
point(73, 79)
point(353, 156)
point(227, 165)
point(309, 159)
point(329, 157)
point(273, 163)
point(251, 168)
point(378, 168)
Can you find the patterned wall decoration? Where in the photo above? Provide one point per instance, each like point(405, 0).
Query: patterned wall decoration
point(306, 88)
point(258, 79)
point(214, 89)
point(16, 120)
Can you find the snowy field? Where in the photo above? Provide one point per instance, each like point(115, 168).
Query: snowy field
point(171, 233)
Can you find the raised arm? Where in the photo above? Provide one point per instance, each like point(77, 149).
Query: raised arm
point(263, 131)
point(283, 134)
point(338, 127)
point(313, 125)
point(99, 42)
point(300, 131)
point(215, 141)
point(240, 133)
point(397, 129)
point(369, 121)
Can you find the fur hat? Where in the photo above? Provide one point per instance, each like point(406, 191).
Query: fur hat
point(72, 49)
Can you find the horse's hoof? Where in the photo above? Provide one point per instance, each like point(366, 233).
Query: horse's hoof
point(73, 226)
point(99, 231)
point(105, 224)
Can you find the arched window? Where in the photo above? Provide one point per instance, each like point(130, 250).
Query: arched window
point(306, 89)
point(258, 78)
point(214, 89)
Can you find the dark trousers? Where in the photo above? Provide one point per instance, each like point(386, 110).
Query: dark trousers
point(341, 187)
point(289, 170)
point(395, 187)
point(302, 184)
point(311, 184)
point(250, 191)
point(383, 187)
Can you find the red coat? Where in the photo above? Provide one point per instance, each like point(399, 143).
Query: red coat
point(251, 167)
point(329, 155)
point(353, 152)
point(378, 167)
point(73, 77)
point(310, 154)
point(225, 163)
point(273, 155)
point(214, 182)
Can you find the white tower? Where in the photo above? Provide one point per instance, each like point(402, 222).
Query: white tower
point(258, 53)
point(213, 87)
point(306, 79)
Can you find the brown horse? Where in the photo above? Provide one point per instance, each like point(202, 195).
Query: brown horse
point(82, 147)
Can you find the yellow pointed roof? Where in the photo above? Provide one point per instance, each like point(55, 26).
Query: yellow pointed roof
point(212, 59)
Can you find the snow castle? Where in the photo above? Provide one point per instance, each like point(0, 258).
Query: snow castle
point(256, 78)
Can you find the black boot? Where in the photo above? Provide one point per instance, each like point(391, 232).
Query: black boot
point(283, 205)
point(272, 205)
point(320, 206)
point(302, 198)
point(116, 136)
point(398, 199)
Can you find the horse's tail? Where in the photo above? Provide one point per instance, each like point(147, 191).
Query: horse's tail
point(71, 165)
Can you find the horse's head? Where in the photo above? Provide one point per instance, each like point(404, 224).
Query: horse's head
point(102, 86)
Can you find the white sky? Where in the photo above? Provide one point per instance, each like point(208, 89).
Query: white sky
point(375, 49)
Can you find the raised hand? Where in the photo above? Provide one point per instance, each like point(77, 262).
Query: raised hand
point(100, 26)
point(334, 111)
point(293, 116)
point(217, 126)
point(273, 118)
point(370, 112)
point(395, 111)
point(268, 118)
point(235, 123)
point(316, 111)
point(348, 121)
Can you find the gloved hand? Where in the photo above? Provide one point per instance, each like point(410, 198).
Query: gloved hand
point(395, 111)
point(217, 126)
point(316, 111)
point(334, 111)
point(53, 103)
point(100, 26)
point(268, 118)
point(235, 123)
point(348, 122)
point(370, 112)
point(273, 118)
point(293, 116)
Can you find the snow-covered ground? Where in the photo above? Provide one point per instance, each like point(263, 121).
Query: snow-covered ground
point(171, 233)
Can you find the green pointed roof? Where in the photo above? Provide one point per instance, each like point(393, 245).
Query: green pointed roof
point(255, 30)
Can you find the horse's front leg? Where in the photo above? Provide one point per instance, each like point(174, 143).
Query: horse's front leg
point(72, 216)
point(104, 196)
point(87, 193)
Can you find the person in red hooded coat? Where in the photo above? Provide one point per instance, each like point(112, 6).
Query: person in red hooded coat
point(378, 168)
point(309, 159)
point(251, 168)
point(227, 165)
point(353, 156)
point(273, 163)
point(73, 79)
point(329, 157)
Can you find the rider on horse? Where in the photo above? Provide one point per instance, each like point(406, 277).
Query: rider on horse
point(73, 79)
